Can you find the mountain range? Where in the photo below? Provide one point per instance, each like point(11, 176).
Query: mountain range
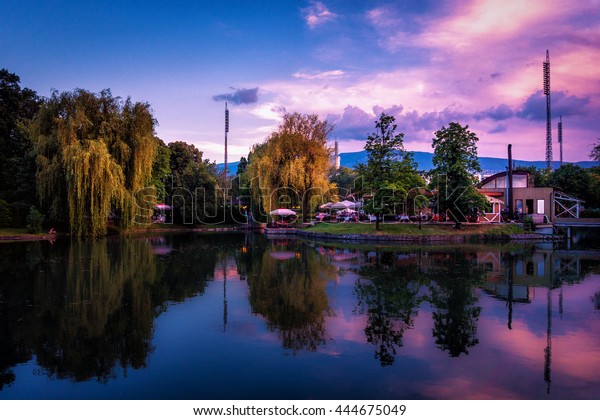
point(489, 165)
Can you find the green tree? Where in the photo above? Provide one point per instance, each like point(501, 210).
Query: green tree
point(455, 165)
point(94, 152)
point(17, 161)
point(194, 189)
point(577, 181)
point(390, 171)
point(291, 165)
point(161, 170)
point(344, 179)
point(5, 219)
point(34, 220)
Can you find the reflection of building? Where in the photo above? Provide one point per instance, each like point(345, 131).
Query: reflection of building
point(542, 268)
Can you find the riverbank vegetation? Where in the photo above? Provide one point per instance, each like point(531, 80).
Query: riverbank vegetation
point(406, 229)
point(90, 163)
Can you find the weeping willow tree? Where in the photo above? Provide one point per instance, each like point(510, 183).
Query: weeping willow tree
point(291, 166)
point(94, 153)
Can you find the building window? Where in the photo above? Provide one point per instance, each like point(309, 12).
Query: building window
point(520, 181)
point(540, 207)
point(519, 206)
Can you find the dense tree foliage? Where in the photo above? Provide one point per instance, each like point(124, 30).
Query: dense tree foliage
point(577, 181)
point(161, 170)
point(345, 180)
point(94, 153)
point(290, 167)
point(17, 161)
point(193, 189)
point(455, 166)
point(390, 172)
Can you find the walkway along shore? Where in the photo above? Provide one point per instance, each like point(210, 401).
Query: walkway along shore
point(424, 239)
point(304, 233)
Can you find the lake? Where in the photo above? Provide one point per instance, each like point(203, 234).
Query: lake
point(240, 316)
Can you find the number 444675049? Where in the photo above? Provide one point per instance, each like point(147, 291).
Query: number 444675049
point(371, 409)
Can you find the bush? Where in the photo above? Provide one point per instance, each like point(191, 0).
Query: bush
point(590, 213)
point(528, 223)
point(5, 219)
point(34, 220)
point(18, 212)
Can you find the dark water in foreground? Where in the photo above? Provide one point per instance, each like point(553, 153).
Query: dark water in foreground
point(241, 317)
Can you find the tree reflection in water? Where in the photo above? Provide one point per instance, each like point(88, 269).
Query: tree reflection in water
point(454, 278)
point(96, 310)
point(85, 307)
point(289, 291)
point(389, 292)
point(389, 295)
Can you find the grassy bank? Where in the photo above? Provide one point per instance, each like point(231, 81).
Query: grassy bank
point(405, 229)
point(12, 234)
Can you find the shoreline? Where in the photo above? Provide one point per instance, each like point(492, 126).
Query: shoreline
point(306, 234)
point(416, 239)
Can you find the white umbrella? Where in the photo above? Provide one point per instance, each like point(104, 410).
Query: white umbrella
point(343, 205)
point(282, 212)
point(162, 207)
point(326, 205)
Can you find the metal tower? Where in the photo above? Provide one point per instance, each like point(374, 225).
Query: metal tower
point(560, 139)
point(548, 112)
point(226, 131)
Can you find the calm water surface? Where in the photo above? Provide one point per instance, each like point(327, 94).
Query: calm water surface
point(238, 316)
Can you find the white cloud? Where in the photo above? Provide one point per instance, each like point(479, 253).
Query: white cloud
point(317, 14)
point(319, 75)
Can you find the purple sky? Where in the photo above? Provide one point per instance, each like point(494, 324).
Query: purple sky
point(477, 62)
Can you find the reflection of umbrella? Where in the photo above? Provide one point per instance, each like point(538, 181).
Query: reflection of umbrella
point(326, 205)
point(162, 249)
point(282, 255)
point(282, 212)
point(162, 207)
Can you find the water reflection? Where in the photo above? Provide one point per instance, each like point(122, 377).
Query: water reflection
point(389, 294)
point(80, 310)
point(287, 287)
point(88, 310)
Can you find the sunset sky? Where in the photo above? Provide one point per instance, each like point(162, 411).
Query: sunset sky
point(477, 62)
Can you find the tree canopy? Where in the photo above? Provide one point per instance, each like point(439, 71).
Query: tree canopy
point(390, 172)
point(94, 152)
point(17, 161)
point(454, 175)
point(193, 189)
point(290, 168)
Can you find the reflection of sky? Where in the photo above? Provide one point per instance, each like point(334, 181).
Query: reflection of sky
point(197, 356)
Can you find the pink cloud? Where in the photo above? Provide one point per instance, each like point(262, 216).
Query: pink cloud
point(317, 14)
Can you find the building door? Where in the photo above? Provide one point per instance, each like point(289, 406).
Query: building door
point(529, 206)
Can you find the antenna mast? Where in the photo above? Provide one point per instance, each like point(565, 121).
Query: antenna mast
point(226, 131)
point(560, 139)
point(548, 112)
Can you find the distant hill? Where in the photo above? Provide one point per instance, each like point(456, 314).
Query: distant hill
point(423, 159)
